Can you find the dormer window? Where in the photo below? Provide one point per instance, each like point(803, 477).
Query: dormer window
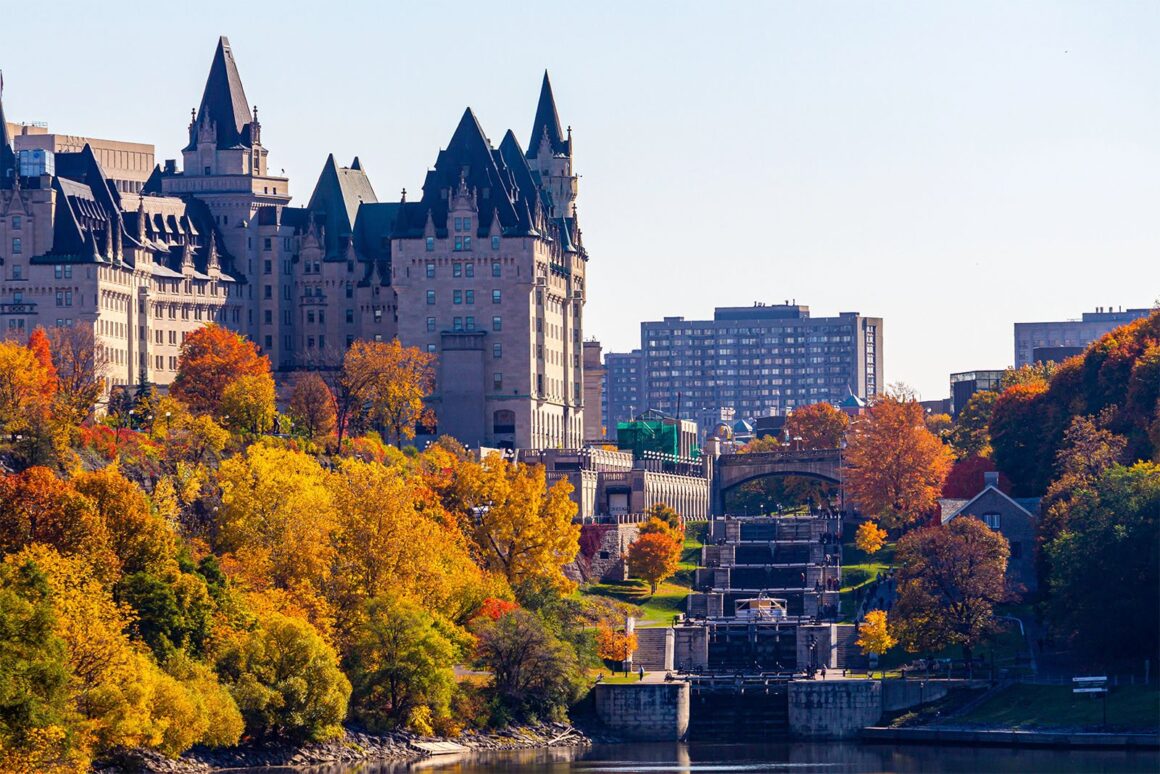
point(495, 243)
point(430, 244)
point(16, 222)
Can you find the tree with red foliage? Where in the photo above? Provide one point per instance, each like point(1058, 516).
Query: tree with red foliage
point(966, 478)
point(211, 358)
point(38, 343)
point(496, 609)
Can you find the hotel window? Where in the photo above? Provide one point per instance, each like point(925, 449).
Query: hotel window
point(496, 269)
point(430, 271)
point(459, 224)
point(430, 347)
point(496, 296)
point(17, 246)
point(269, 341)
point(269, 315)
point(497, 350)
point(430, 324)
point(466, 243)
point(469, 270)
point(458, 244)
point(267, 245)
point(470, 296)
point(457, 270)
point(17, 272)
point(497, 380)
point(16, 223)
point(430, 244)
point(378, 315)
point(497, 323)
point(469, 323)
point(457, 323)
point(495, 243)
point(430, 298)
point(268, 291)
point(267, 266)
point(350, 315)
point(457, 296)
point(310, 317)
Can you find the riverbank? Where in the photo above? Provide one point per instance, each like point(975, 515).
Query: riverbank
point(356, 746)
point(935, 735)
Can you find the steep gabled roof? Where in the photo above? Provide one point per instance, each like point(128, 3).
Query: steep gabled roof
point(953, 508)
point(7, 154)
point(224, 101)
point(468, 160)
point(336, 200)
point(547, 121)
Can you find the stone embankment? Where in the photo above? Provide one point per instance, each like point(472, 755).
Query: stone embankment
point(355, 746)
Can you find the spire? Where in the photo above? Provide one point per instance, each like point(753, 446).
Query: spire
point(224, 101)
point(547, 123)
point(7, 155)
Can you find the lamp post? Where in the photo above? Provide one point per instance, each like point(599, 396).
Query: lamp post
point(168, 421)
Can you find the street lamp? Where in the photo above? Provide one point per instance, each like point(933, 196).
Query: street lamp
point(168, 420)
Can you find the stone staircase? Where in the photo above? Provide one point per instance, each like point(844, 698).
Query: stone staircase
point(850, 656)
point(650, 649)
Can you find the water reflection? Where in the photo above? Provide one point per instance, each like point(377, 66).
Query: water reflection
point(830, 758)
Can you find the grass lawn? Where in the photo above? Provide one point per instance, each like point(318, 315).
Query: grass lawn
point(655, 610)
point(860, 569)
point(1047, 706)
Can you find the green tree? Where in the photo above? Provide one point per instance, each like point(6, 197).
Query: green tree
point(400, 661)
point(970, 434)
point(286, 680)
point(1104, 579)
point(38, 724)
point(535, 674)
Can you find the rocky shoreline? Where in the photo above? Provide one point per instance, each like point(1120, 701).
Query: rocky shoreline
point(398, 746)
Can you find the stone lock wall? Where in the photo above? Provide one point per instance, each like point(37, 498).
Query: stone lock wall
point(652, 712)
point(836, 709)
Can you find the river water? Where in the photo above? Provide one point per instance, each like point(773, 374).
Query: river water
point(798, 758)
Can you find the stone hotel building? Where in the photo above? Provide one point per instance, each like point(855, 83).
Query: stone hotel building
point(485, 268)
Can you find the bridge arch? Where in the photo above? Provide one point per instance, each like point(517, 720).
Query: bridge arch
point(734, 470)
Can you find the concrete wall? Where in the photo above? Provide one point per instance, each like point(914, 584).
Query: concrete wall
point(653, 712)
point(904, 694)
point(833, 709)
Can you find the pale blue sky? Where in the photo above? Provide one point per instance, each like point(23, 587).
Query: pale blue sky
point(951, 167)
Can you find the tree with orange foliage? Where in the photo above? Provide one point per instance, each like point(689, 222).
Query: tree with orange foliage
point(895, 467)
point(654, 557)
point(312, 406)
point(614, 644)
point(38, 343)
point(38, 507)
point(211, 358)
point(819, 425)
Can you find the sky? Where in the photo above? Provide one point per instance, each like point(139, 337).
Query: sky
point(951, 167)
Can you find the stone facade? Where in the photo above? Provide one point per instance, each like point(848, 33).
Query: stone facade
point(595, 431)
point(1015, 519)
point(486, 270)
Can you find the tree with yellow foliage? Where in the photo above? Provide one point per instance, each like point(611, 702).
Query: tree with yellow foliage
point(384, 383)
point(247, 404)
point(393, 539)
point(869, 537)
point(874, 633)
point(277, 519)
point(23, 388)
point(522, 529)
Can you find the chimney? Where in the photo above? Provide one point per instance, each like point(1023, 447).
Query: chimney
point(991, 478)
point(171, 166)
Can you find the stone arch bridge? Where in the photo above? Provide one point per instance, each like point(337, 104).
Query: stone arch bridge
point(733, 470)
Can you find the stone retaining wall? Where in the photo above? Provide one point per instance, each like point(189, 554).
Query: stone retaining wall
point(653, 712)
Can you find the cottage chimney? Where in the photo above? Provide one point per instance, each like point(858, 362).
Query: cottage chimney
point(991, 478)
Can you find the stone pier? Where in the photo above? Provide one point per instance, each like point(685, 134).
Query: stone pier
point(647, 711)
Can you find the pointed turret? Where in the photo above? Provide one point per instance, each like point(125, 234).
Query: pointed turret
point(7, 154)
point(547, 124)
point(224, 104)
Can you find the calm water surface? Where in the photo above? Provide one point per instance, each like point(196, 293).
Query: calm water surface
point(787, 757)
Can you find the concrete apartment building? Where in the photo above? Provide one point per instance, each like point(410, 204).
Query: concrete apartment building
point(1061, 339)
point(623, 388)
point(595, 431)
point(485, 270)
point(757, 361)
